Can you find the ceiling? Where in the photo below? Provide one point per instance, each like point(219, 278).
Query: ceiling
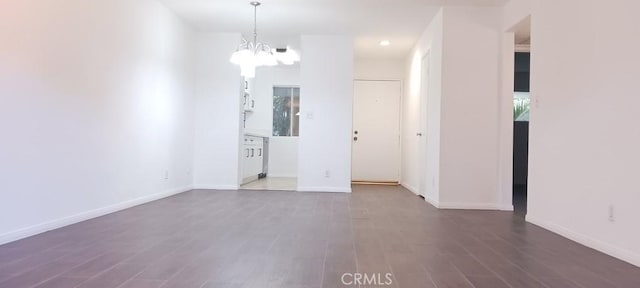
point(522, 31)
point(370, 21)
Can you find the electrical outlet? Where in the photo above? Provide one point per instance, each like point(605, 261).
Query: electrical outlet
point(327, 174)
point(166, 175)
point(612, 213)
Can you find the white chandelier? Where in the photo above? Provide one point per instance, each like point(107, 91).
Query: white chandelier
point(252, 54)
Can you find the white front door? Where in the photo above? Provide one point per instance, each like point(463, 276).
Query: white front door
point(376, 131)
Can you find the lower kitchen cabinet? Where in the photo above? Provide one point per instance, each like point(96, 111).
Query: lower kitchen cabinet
point(253, 158)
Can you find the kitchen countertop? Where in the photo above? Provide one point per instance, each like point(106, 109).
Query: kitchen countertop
point(255, 134)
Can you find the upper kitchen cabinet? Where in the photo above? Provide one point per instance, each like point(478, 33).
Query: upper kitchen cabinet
point(249, 100)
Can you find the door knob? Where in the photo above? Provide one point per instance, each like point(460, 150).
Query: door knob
point(355, 132)
point(355, 138)
point(419, 134)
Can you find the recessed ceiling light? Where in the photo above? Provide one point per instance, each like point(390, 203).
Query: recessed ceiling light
point(385, 43)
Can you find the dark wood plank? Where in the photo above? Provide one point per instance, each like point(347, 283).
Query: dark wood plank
point(263, 239)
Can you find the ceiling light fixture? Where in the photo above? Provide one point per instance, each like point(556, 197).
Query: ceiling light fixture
point(252, 54)
point(287, 56)
point(385, 43)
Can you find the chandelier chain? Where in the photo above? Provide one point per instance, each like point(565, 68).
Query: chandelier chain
point(255, 22)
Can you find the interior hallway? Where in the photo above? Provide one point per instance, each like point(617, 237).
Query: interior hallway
point(287, 239)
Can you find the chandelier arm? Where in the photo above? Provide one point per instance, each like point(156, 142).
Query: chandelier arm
point(253, 53)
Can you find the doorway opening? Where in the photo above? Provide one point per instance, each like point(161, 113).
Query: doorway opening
point(271, 114)
point(376, 132)
point(521, 111)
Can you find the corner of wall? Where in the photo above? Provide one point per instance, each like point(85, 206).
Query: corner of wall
point(73, 219)
point(409, 187)
point(620, 253)
point(433, 202)
point(324, 160)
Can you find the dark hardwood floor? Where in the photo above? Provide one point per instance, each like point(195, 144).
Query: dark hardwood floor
point(254, 239)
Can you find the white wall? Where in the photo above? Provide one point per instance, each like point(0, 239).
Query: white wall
point(505, 121)
point(584, 133)
point(463, 89)
point(378, 69)
point(412, 174)
point(283, 151)
point(283, 157)
point(326, 117)
point(469, 115)
point(218, 130)
point(94, 111)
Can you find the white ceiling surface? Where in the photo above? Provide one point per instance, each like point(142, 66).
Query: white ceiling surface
point(370, 21)
point(522, 31)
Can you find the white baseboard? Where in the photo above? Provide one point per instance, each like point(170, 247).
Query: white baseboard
point(69, 220)
point(325, 189)
point(469, 206)
point(433, 202)
point(459, 206)
point(216, 187)
point(617, 252)
point(410, 188)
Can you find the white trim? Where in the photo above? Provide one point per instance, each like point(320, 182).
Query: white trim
point(410, 188)
point(469, 206)
point(523, 48)
point(325, 189)
point(69, 220)
point(433, 202)
point(216, 187)
point(620, 253)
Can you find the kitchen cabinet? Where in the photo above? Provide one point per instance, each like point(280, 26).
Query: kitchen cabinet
point(253, 158)
point(249, 101)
